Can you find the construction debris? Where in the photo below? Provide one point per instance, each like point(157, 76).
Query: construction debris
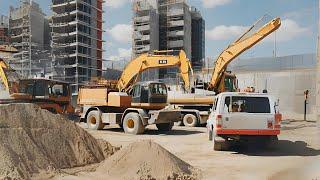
point(34, 140)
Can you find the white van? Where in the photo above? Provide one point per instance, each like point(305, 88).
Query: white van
point(237, 116)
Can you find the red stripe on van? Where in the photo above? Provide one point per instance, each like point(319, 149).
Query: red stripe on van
point(247, 132)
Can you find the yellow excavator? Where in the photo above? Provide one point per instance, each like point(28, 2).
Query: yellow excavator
point(131, 104)
point(52, 95)
point(221, 80)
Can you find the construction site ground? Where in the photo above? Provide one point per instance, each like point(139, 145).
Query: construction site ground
point(297, 154)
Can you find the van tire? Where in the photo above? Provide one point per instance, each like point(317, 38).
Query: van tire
point(132, 124)
point(272, 142)
point(220, 146)
point(94, 121)
point(164, 126)
point(190, 120)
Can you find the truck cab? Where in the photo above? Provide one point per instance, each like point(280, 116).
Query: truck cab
point(237, 116)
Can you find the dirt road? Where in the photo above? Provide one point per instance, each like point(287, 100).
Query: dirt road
point(298, 152)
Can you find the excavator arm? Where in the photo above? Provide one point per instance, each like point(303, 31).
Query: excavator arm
point(245, 42)
point(158, 60)
point(4, 79)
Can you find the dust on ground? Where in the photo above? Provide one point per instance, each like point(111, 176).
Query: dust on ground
point(35, 141)
point(299, 145)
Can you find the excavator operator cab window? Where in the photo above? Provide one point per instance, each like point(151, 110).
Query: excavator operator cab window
point(158, 89)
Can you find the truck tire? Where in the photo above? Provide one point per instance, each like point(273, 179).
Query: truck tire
point(164, 126)
point(132, 124)
point(190, 120)
point(94, 121)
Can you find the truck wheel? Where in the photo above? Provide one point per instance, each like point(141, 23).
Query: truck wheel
point(220, 146)
point(132, 124)
point(94, 121)
point(164, 126)
point(190, 120)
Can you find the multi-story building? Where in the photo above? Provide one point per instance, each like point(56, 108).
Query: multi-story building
point(168, 25)
point(198, 39)
point(145, 26)
point(4, 30)
point(77, 40)
point(27, 34)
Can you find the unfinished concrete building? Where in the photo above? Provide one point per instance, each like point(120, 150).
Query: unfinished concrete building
point(145, 27)
point(27, 34)
point(173, 21)
point(198, 40)
point(77, 40)
point(4, 30)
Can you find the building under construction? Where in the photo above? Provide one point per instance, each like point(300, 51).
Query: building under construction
point(77, 40)
point(4, 30)
point(168, 25)
point(27, 33)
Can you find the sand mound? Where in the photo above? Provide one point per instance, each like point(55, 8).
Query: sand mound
point(34, 140)
point(147, 160)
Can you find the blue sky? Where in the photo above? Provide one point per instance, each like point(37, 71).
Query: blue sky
point(225, 21)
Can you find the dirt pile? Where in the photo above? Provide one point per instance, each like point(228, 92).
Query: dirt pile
point(34, 140)
point(147, 160)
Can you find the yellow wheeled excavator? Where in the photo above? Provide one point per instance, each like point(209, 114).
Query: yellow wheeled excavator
point(134, 105)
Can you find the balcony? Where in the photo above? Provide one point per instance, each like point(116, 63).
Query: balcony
point(175, 44)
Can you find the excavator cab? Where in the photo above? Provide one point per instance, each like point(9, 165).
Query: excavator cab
point(228, 83)
point(149, 95)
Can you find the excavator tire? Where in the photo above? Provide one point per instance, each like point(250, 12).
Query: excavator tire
point(164, 126)
point(94, 121)
point(190, 120)
point(132, 124)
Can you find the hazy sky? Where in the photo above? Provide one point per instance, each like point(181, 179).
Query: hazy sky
point(225, 21)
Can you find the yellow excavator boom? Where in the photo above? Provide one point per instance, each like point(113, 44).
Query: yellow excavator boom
point(245, 42)
point(4, 79)
point(157, 60)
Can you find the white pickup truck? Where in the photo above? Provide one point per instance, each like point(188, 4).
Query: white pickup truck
point(238, 116)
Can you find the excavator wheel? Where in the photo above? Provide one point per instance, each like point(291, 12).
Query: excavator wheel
point(132, 124)
point(94, 121)
point(190, 120)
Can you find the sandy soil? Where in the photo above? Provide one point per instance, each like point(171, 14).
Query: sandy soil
point(299, 147)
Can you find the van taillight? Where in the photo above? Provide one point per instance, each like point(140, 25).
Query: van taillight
point(219, 121)
point(277, 119)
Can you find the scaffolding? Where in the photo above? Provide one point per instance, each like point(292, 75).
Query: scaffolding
point(27, 35)
point(76, 30)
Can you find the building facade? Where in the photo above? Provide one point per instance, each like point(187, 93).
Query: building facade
point(77, 40)
point(198, 40)
point(168, 25)
point(27, 34)
point(4, 30)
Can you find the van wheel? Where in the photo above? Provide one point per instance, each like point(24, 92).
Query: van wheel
point(164, 126)
point(220, 146)
point(190, 120)
point(94, 121)
point(132, 124)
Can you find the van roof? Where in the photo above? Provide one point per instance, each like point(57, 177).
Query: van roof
point(244, 94)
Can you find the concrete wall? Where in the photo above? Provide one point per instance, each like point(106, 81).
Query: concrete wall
point(287, 86)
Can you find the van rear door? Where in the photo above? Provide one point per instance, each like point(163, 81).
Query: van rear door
point(248, 112)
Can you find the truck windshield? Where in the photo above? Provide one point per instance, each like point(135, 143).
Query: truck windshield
point(159, 89)
point(249, 104)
